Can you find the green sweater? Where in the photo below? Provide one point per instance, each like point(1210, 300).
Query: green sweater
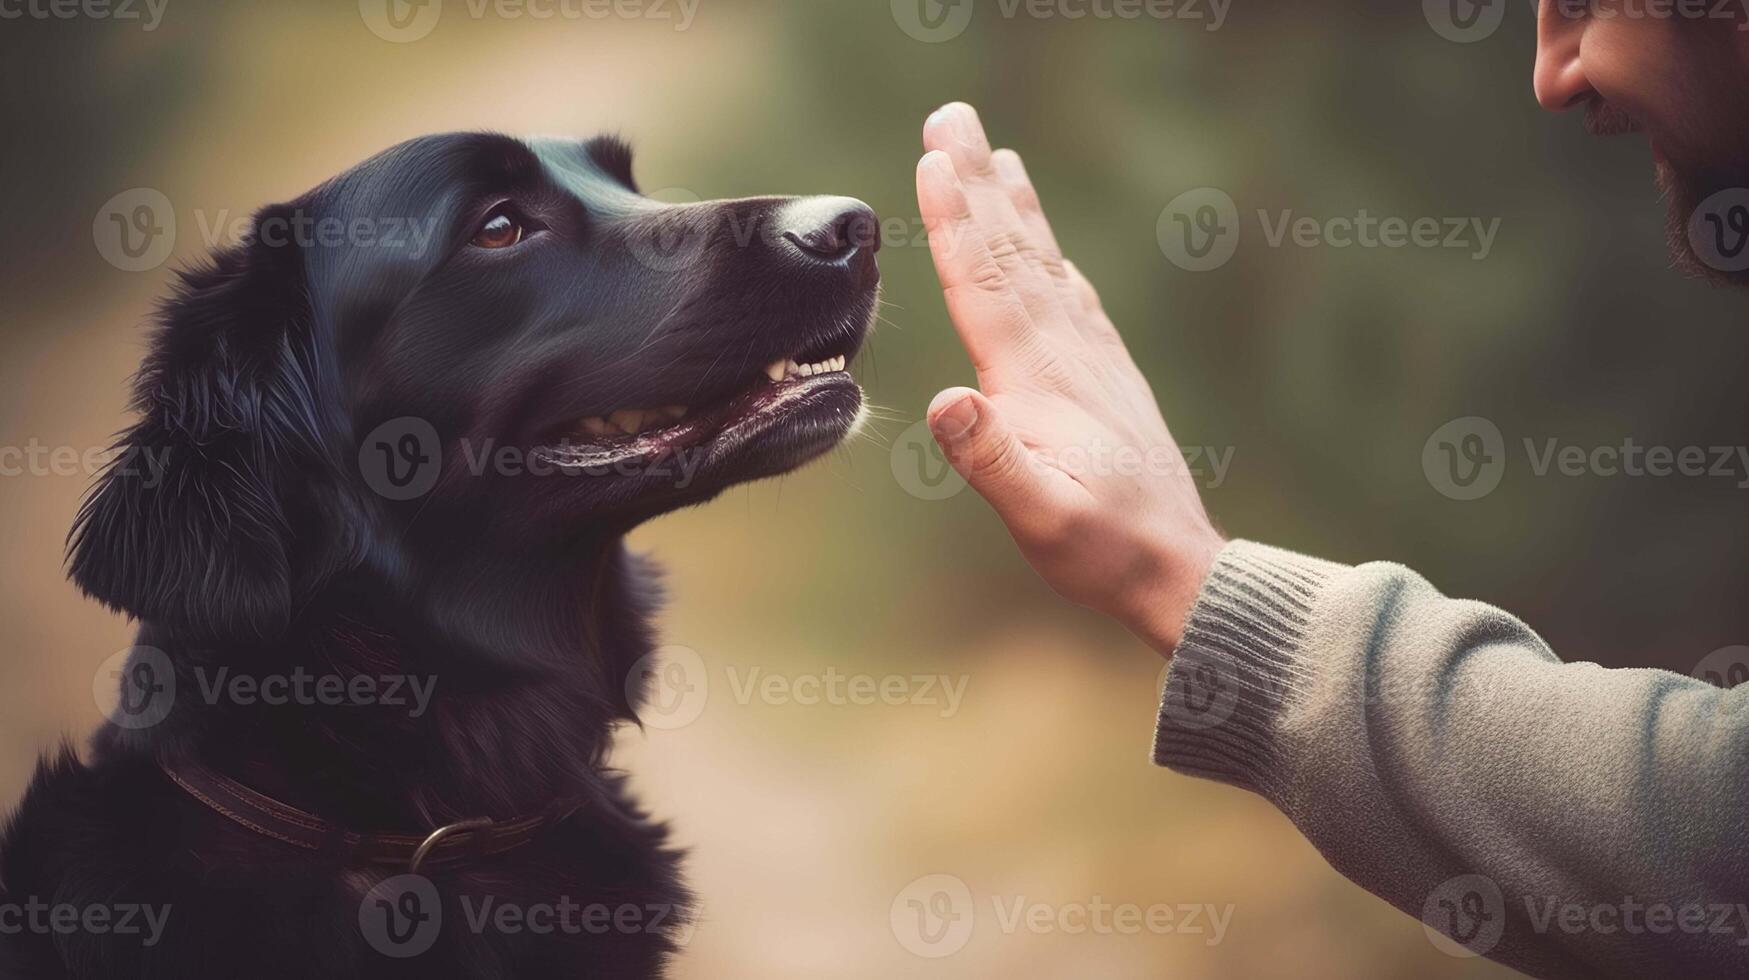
point(1565, 819)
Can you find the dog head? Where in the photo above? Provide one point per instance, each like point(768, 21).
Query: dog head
point(469, 349)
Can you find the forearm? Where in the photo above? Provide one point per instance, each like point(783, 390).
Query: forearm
point(1417, 740)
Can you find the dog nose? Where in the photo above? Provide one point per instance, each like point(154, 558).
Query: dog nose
point(829, 229)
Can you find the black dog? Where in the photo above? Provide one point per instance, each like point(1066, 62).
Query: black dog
point(402, 430)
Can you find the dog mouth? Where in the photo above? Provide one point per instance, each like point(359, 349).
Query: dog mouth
point(814, 390)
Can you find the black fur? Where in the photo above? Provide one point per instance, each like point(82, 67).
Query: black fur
point(241, 529)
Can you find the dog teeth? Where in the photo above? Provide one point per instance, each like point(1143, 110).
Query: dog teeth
point(631, 421)
point(789, 369)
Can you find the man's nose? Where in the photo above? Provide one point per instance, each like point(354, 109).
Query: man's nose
point(1560, 79)
point(828, 229)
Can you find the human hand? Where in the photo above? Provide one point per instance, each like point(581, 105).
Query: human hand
point(1058, 390)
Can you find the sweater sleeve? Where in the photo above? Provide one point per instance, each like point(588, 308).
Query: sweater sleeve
point(1565, 819)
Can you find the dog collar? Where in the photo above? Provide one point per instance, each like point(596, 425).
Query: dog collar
point(448, 846)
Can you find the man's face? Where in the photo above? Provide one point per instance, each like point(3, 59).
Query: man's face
point(1677, 70)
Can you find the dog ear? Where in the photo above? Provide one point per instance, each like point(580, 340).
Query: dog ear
point(191, 526)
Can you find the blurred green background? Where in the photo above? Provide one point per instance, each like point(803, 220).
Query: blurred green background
point(1323, 371)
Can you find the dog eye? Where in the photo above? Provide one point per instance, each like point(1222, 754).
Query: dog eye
point(501, 229)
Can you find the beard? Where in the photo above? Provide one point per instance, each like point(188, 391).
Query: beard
point(1707, 222)
point(1707, 205)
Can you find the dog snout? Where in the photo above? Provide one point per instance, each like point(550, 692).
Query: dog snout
point(832, 230)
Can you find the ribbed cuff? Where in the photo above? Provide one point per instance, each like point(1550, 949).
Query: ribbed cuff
point(1239, 663)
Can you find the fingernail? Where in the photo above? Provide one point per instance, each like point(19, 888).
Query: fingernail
point(956, 421)
point(939, 162)
point(965, 125)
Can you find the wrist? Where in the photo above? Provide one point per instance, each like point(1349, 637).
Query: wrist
point(1158, 608)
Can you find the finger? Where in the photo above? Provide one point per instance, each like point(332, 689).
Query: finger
point(1011, 170)
point(956, 131)
point(993, 460)
point(1101, 334)
point(1094, 325)
point(991, 320)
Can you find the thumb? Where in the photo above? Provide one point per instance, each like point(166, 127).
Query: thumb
point(981, 446)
